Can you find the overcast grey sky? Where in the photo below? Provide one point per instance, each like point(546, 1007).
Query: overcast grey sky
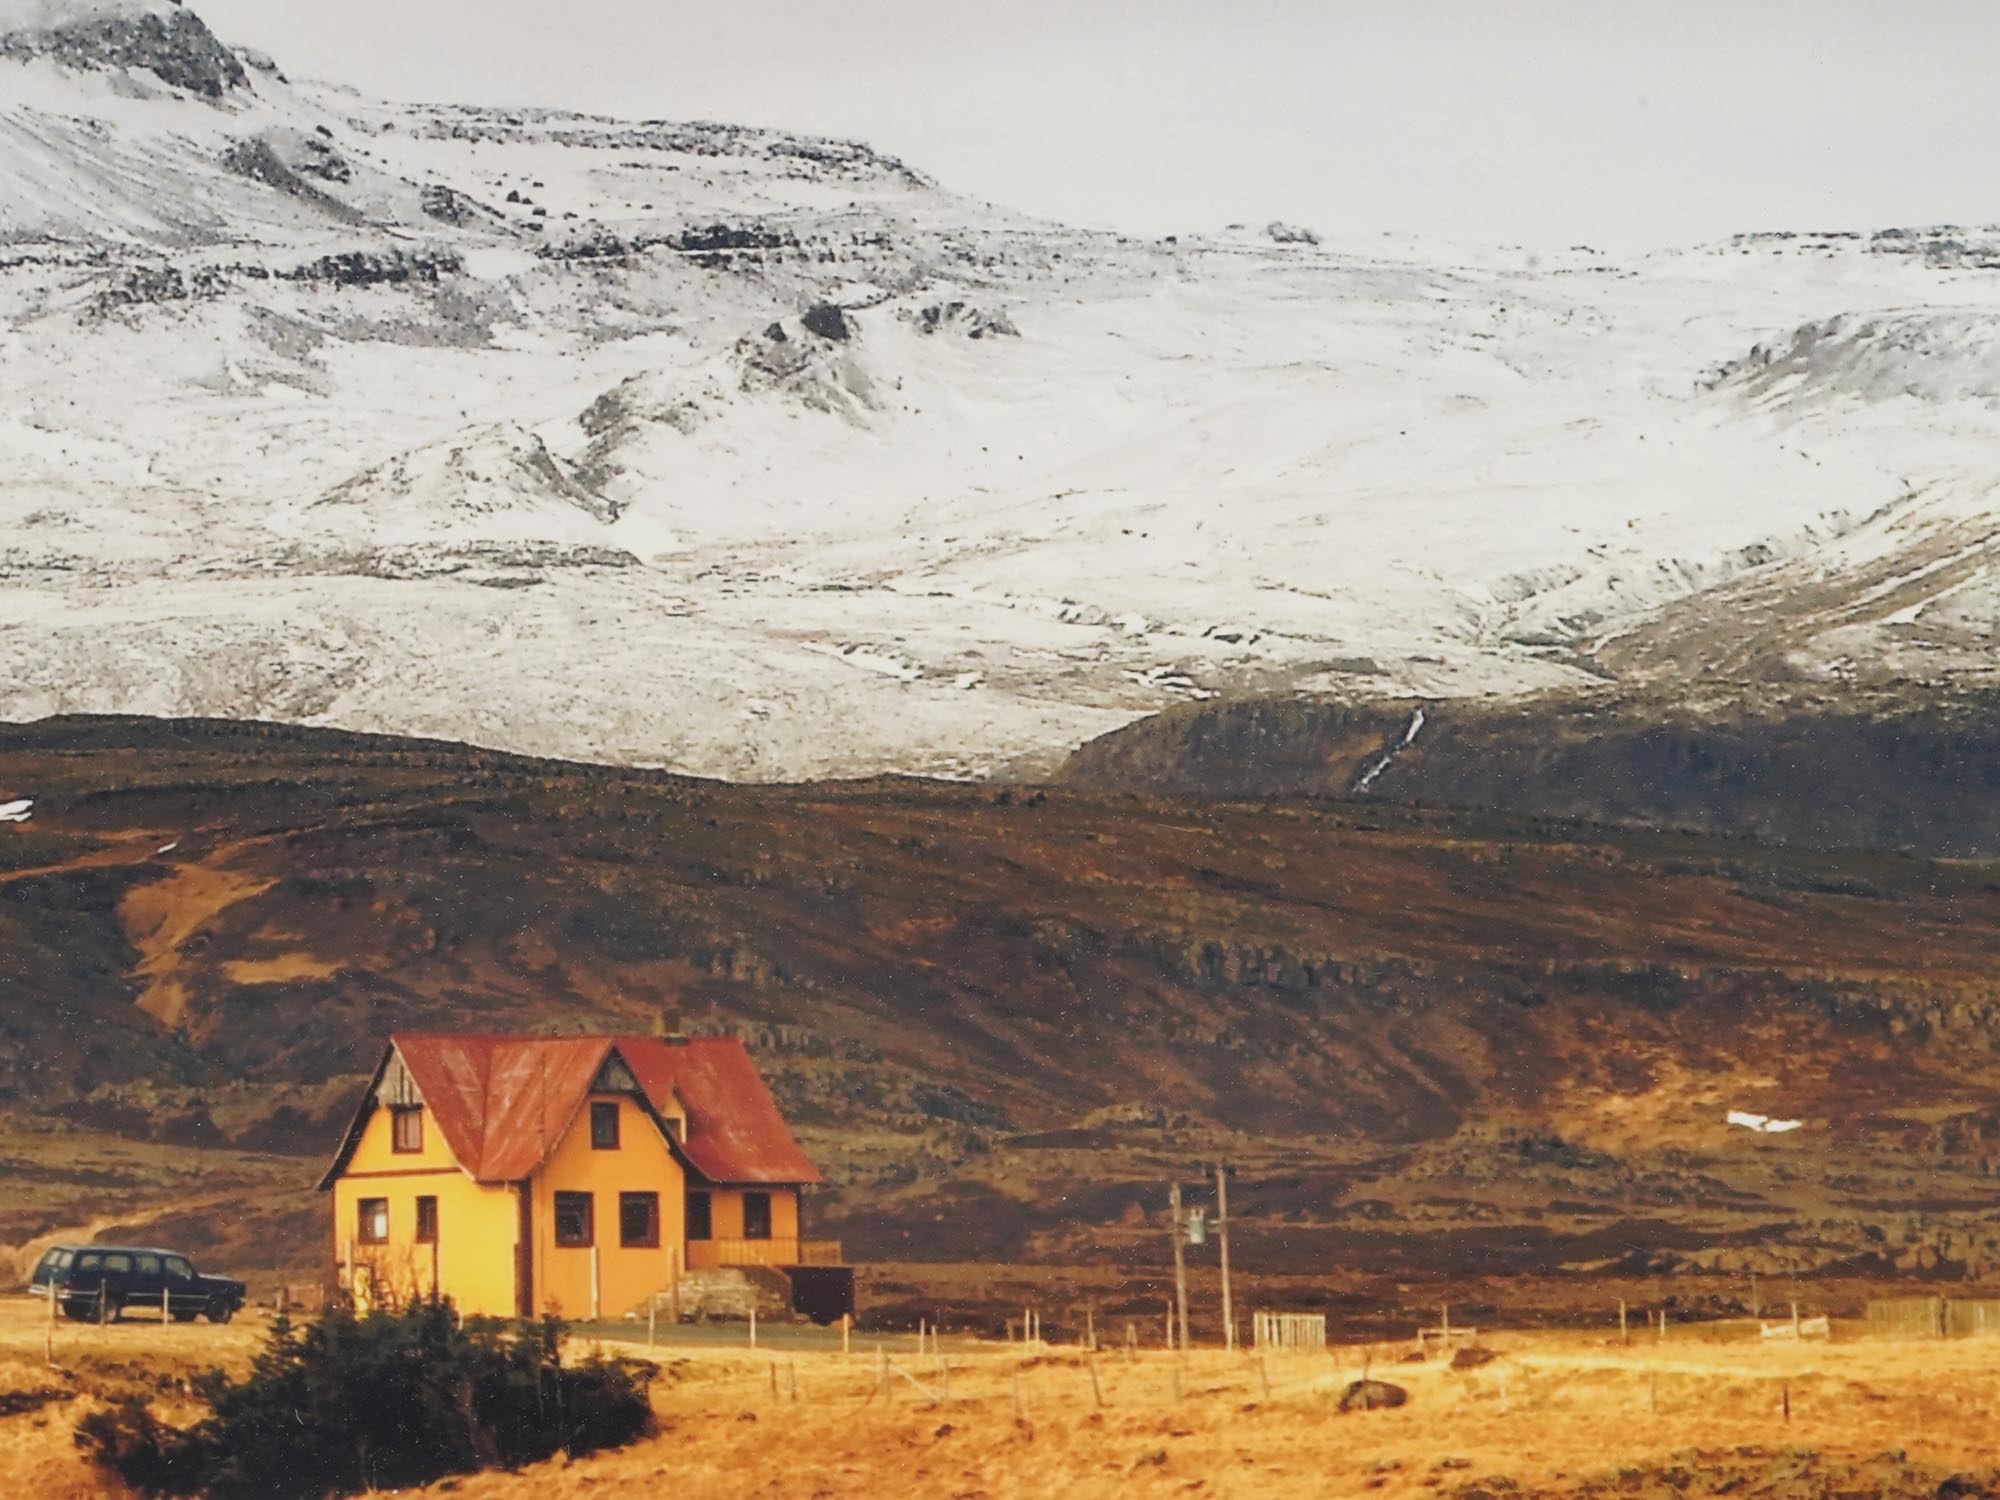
point(1613, 122)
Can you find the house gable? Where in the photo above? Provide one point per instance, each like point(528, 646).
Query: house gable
point(734, 1133)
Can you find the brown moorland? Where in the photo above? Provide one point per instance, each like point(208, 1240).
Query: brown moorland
point(1478, 1052)
point(1712, 1411)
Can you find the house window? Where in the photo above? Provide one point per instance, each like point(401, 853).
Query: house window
point(604, 1127)
point(700, 1222)
point(427, 1220)
point(639, 1221)
point(407, 1129)
point(573, 1220)
point(756, 1216)
point(373, 1225)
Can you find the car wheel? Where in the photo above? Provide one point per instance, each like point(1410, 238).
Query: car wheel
point(114, 1309)
point(76, 1313)
point(220, 1311)
point(185, 1317)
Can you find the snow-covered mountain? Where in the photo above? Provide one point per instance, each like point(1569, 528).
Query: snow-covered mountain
point(765, 456)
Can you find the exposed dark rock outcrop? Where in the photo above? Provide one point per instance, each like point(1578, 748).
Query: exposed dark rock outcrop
point(828, 321)
point(717, 247)
point(964, 318)
point(177, 48)
point(447, 205)
point(362, 268)
point(318, 158)
point(260, 161)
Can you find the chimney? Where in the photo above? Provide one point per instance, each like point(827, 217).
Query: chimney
point(667, 1024)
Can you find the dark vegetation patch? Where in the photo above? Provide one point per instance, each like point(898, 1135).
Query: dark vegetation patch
point(386, 1401)
point(1881, 773)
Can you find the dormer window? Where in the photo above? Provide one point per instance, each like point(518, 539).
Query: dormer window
point(604, 1126)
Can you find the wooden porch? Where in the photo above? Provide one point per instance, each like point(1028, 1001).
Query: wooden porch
point(708, 1255)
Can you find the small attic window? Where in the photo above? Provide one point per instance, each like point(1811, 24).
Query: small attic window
point(406, 1123)
point(604, 1126)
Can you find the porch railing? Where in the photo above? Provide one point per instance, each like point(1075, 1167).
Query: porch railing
point(708, 1254)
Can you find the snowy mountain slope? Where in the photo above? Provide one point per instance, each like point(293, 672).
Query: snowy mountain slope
point(765, 456)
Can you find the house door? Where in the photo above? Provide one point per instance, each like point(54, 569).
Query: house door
point(524, 1254)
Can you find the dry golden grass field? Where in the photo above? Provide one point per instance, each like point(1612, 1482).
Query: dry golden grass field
point(1552, 1414)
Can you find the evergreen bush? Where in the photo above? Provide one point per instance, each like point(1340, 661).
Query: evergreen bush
point(378, 1401)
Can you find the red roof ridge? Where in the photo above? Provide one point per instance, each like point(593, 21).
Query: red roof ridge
point(503, 1100)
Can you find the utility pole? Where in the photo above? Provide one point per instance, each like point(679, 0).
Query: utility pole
point(1222, 1228)
point(1180, 1259)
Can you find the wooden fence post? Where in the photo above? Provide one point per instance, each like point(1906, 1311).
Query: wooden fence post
point(1180, 1259)
point(846, 1333)
point(49, 1337)
point(1096, 1390)
point(753, 1323)
point(1624, 1332)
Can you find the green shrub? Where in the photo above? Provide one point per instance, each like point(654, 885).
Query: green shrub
point(388, 1400)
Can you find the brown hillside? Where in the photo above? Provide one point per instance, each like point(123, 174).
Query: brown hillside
point(1902, 768)
point(1002, 1018)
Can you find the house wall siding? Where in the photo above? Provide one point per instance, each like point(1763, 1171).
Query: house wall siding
point(726, 1223)
point(473, 1258)
point(642, 1163)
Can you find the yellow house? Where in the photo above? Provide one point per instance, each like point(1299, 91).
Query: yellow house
point(574, 1175)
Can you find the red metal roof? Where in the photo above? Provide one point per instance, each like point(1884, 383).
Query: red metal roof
point(734, 1130)
point(503, 1102)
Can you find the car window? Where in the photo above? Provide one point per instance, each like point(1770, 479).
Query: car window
point(179, 1269)
point(118, 1263)
point(89, 1262)
point(149, 1265)
point(64, 1257)
point(47, 1263)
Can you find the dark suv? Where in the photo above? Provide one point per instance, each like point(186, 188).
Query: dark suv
point(101, 1281)
point(50, 1269)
